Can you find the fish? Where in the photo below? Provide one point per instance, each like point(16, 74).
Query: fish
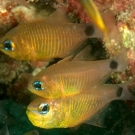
point(73, 77)
point(45, 39)
point(74, 110)
point(92, 11)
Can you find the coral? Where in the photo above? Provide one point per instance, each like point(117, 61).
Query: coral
point(11, 14)
point(74, 7)
point(18, 90)
point(14, 77)
point(11, 68)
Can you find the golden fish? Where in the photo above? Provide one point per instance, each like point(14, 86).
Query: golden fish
point(73, 77)
point(44, 39)
point(74, 110)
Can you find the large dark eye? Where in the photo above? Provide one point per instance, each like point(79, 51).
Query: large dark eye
point(43, 108)
point(8, 45)
point(38, 85)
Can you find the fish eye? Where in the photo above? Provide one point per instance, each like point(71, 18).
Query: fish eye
point(8, 45)
point(43, 108)
point(38, 85)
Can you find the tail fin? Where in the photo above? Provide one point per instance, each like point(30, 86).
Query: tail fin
point(126, 94)
point(113, 91)
point(119, 62)
point(92, 31)
point(94, 14)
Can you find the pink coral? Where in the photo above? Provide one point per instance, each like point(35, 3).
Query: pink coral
point(75, 7)
point(11, 14)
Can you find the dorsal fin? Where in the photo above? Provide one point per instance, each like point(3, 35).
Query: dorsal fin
point(85, 54)
point(60, 15)
point(68, 58)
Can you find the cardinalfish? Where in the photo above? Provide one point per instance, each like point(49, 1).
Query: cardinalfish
point(49, 38)
point(93, 13)
point(73, 77)
point(73, 110)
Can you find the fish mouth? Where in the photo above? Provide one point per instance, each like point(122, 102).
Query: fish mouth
point(31, 115)
point(36, 121)
point(30, 87)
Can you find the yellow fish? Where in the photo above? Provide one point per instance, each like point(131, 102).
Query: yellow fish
point(73, 110)
point(44, 39)
point(94, 14)
point(73, 77)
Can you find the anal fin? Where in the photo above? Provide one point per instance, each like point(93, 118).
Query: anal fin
point(98, 118)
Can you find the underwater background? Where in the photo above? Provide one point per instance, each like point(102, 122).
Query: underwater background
point(14, 74)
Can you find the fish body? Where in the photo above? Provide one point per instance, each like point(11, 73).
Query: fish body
point(73, 110)
point(44, 39)
point(73, 77)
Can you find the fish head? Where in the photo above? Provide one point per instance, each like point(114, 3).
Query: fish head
point(45, 86)
point(12, 45)
point(44, 113)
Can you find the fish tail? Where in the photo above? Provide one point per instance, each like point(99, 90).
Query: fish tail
point(124, 92)
point(93, 12)
point(119, 62)
point(116, 91)
point(92, 31)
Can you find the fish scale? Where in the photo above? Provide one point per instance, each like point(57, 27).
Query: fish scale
point(72, 83)
point(83, 107)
